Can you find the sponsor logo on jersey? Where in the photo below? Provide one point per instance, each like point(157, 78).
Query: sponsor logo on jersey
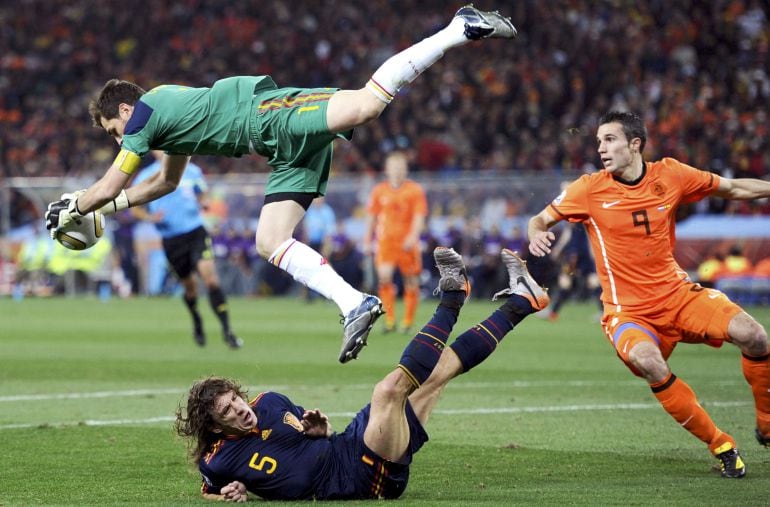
point(606, 205)
point(560, 197)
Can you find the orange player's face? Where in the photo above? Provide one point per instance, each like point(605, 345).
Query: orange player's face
point(232, 415)
point(616, 152)
point(115, 127)
point(396, 169)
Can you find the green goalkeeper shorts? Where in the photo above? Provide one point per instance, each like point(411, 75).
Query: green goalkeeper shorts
point(289, 127)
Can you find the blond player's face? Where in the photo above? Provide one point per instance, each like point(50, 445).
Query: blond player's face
point(396, 169)
point(614, 149)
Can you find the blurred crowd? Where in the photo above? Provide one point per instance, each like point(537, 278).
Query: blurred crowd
point(697, 72)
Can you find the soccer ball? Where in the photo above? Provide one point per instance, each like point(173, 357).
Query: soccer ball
point(83, 232)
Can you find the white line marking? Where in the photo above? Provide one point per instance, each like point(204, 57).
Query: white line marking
point(463, 411)
point(521, 384)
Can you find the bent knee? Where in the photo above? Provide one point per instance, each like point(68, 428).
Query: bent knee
point(747, 333)
point(394, 388)
point(268, 243)
point(648, 359)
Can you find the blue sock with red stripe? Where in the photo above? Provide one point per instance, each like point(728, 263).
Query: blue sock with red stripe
point(423, 352)
point(477, 343)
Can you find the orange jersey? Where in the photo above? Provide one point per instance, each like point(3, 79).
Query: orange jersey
point(395, 209)
point(632, 228)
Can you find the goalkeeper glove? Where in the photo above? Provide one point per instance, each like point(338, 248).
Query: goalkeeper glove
point(60, 213)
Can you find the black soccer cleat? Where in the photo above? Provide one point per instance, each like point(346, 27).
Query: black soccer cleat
point(485, 25)
point(233, 341)
point(731, 465)
point(356, 327)
point(762, 439)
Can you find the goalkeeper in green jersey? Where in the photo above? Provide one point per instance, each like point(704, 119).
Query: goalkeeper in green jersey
point(292, 127)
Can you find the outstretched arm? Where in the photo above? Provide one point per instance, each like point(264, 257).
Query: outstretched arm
point(106, 196)
point(161, 183)
point(540, 238)
point(742, 189)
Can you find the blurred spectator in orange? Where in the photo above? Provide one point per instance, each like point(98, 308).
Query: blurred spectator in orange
point(762, 269)
point(735, 264)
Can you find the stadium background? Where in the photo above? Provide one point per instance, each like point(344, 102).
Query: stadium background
point(522, 115)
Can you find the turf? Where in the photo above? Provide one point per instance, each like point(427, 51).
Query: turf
point(88, 391)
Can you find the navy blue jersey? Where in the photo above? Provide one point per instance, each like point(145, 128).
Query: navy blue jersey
point(277, 461)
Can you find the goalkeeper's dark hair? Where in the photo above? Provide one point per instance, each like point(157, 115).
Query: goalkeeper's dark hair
point(113, 93)
point(633, 126)
point(196, 420)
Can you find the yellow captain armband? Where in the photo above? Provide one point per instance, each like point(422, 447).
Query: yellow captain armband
point(127, 161)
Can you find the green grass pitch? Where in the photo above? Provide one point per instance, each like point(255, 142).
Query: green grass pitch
point(88, 390)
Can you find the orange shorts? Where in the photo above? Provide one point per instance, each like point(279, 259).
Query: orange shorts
point(409, 262)
point(692, 315)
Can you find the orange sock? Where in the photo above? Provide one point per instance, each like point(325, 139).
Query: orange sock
point(387, 293)
point(756, 370)
point(679, 400)
point(411, 300)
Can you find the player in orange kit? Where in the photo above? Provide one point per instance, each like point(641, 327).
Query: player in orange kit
point(650, 304)
point(396, 217)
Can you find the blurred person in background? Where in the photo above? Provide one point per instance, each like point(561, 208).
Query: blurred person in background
point(650, 304)
point(187, 245)
point(292, 127)
point(709, 268)
point(395, 219)
point(319, 225)
point(572, 254)
point(735, 264)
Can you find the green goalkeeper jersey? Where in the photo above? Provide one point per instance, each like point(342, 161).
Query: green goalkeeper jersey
point(195, 121)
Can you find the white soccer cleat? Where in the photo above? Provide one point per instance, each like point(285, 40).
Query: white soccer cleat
point(521, 282)
point(485, 25)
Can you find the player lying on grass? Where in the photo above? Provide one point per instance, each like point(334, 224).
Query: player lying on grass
point(292, 127)
point(278, 450)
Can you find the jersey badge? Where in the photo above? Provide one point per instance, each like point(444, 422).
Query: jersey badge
point(291, 420)
point(658, 189)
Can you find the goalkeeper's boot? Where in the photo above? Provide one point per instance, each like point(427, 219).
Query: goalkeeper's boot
point(356, 327)
point(485, 25)
point(521, 283)
point(731, 465)
point(233, 341)
point(762, 439)
point(451, 270)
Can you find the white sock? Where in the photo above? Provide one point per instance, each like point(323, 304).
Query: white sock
point(309, 268)
point(404, 67)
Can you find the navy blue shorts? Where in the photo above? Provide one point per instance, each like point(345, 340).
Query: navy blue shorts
point(364, 474)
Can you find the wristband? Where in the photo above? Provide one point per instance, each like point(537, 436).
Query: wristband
point(117, 204)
